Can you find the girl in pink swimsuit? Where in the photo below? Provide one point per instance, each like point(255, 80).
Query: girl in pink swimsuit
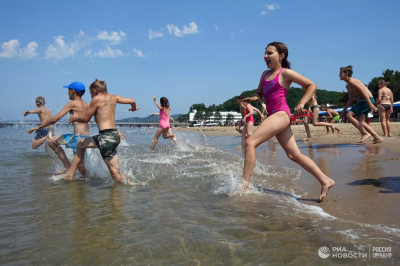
point(164, 127)
point(248, 118)
point(274, 85)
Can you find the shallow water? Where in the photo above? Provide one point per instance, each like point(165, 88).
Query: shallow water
point(178, 215)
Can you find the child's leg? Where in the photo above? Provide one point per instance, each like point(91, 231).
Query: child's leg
point(288, 143)
point(87, 143)
point(333, 121)
point(249, 129)
point(351, 118)
point(113, 167)
point(36, 143)
point(54, 144)
point(382, 116)
point(307, 127)
point(368, 128)
point(319, 124)
point(156, 137)
point(167, 134)
point(244, 131)
point(273, 125)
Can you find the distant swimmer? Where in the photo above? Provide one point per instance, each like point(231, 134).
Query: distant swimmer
point(385, 106)
point(273, 86)
point(332, 117)
point(44, 113)
point(164, 126)
point(314, 107)
point(102, 107)
point(364, 105)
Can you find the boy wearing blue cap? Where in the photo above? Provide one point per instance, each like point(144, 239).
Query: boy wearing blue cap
point(44, 113)
point(102, 107)
point(76, 106)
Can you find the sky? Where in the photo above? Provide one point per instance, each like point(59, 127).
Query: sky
point(188, 51)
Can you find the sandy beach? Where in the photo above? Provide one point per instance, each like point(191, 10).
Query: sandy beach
point(367, 188)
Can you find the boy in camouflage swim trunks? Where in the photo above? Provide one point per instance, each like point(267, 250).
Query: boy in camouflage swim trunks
point(364, 105)
point(44, 113)
point(102, 107)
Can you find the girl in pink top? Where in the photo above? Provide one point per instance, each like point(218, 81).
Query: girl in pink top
point(248, 119)
point(273, 86)
point(164, 127)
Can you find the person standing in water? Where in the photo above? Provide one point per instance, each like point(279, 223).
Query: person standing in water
point(44, 113)
point(164, 126)
point(385, 106)
point(364, 105)
point(81, 130)
point(248, 119)
point(102, 107)
point(274, 85)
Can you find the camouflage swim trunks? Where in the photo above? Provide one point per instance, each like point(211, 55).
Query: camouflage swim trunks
point(107, 141)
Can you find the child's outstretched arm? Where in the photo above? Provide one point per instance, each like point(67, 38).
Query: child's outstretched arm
point(154, 114)
point(123, 100)
point(309, 87)
point(36, 111)
point(158, 105)
point(258, 111)
point(170, 118)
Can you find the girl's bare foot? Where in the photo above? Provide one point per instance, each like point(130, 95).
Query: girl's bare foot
point(377, 140)
point(363, 138)
point(67, 177)
point(240, 190)
point(338, 130)
point(151, 150)
point(174, 138)
point(327, 132)
point(324, 190)
point(306, 139)
point(62, 171)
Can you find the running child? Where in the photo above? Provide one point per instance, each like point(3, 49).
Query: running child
point(364, 105)
point(274, 85)
point(248, 119)
point(164, 126)
point(102, 107)
point(385, 106)
point(78, 107)
point(44, 113)
point(314, 107)
point(331, 116)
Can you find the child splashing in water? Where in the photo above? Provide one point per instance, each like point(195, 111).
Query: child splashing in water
point(274, 85)
point(248, 119)
point(164, 127)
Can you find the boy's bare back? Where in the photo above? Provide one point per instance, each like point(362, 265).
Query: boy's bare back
point(79, 107)
point(44, 113)
point(105, 110)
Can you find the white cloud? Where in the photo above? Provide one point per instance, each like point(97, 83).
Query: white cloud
point(216, 27)
point(61, 49)
point(192, 29)
point(263, 13)
point(11, 49)
point(155, 34)
point(272, 7)
point(139, 53)
point(113, 39)
point(110, 53)
point(88, 53)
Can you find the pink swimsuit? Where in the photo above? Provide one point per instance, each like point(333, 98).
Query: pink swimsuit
point(275, 95)
point(249, 118)
point(164, 120)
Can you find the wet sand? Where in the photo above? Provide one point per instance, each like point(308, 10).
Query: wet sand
point(367, 177)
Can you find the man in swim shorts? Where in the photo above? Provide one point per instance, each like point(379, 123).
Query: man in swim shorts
point(331, 117)
point(102, 107)
point(81, 130)
point(44, 113)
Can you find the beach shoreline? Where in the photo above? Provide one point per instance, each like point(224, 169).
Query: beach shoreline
point(366, 186)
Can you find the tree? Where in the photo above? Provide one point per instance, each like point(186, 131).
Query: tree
point(391, 76)
point(229, 118)
point(183, 118)
point(198, 107)
point(218, 116)
point(198, 116)
point(208, 114)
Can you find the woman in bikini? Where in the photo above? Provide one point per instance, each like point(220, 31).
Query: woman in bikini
point(385, 106)
point(164, 127)
point(274, 85)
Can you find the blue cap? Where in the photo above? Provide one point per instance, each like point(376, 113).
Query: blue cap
point(76, 86)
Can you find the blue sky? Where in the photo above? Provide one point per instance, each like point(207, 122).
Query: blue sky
point(190, 52)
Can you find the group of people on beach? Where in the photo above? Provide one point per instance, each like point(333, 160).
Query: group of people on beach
point(273, 87)
point(102, 107)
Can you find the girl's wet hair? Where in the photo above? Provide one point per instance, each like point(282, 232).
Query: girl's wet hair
point(164, 102)
point(99, 86)
point(384, 82)
point(40, 100)
point(282, 49)
point(348, 70)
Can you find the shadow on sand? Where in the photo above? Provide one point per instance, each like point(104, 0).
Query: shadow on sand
point(391, 184)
